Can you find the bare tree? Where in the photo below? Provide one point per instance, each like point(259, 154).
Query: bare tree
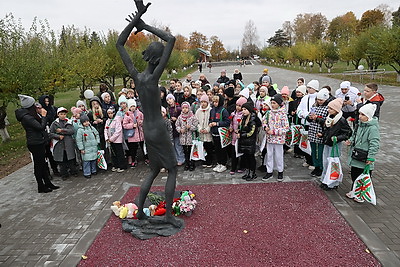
point(250, 40)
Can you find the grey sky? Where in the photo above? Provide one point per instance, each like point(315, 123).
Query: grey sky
point(225, 19)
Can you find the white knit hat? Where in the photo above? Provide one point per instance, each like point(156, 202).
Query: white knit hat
point(302, 88)
point(245, 92)
point(323, 94)
point(345, 84)
point(131, 102)
point(368, 110)
point(313, 84)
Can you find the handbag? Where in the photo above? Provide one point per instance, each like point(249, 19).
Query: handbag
point(359, 154)
point(128, 133)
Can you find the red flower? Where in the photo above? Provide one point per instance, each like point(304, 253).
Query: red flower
point(230, 117)
point(107, 127)
point(239, 120)
point(85, 134)
point(75, 120)
point(97, 114)
point(255, 109)
point(352, 119)
point(126, 113)
point(66, 119)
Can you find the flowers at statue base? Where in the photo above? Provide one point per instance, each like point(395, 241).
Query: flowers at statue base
point(183, 205)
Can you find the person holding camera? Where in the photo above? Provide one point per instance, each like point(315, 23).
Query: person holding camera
point(349, 94)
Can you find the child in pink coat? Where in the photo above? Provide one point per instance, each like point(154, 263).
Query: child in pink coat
point(114, 137)
point(133, 119)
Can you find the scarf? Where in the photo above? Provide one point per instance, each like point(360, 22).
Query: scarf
point(329, 122)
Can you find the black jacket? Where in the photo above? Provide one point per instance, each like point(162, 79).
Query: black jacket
point(248, 135)
point(341, 130)
point(35, 131)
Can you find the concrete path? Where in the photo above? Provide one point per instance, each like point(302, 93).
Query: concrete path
point(57, 228)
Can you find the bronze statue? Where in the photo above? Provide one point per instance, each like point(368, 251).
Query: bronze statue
point(159, 147)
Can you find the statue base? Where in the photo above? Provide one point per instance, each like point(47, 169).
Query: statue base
point(151, 227)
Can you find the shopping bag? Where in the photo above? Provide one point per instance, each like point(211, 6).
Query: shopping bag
point(225, 136)
point(363, 188)
point(304, 144)
point(197, 152)
point(237, 149)
point(289, 137)
point(101, 161)
point(296, 133)
point(334, 173)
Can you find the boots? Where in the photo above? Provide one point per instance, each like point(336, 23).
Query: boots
point(246, 175)
point(192, 166)
point(280, 176)
point(252, 177)
point(187, 165)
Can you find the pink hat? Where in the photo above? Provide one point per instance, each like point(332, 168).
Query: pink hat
point(241, 101)
point(285, 90)
point(76, 111)
point(204, 98)
point(185, 104)
point(336, 104)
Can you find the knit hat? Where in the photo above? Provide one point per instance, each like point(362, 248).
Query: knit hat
point(112, 109)
point(251, 86)
point(368, 110)
point(223, 71)
point(163, 109)
point(216, 84)
point(84, 118)
point(266, 78)
point(170, 96)
point(131, 102)
point(302, 88)
point(61, 109)
point(122, 99)
point(248, 106)
point(75, 111)
point(80, 103)
point(245, 92)
point(336, 104)
point(198, 82)
point(345, 84)
point(229, 92)
point(26, 101)
point(278, 99)
point(323, 94)
point(313, 84)
point(103, 95)
point(241, 101)
point(263, 88)
point(204, 98)
point(265, 70)
point(185, 104)
point(285, 90)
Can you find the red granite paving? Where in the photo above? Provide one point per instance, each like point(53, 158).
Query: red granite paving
point(287, 224)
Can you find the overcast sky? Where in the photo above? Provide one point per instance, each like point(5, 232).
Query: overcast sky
point(225, 19)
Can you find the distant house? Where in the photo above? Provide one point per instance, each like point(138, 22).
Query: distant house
point(205, 55)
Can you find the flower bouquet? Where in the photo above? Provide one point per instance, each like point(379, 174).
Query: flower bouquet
point(185, 204)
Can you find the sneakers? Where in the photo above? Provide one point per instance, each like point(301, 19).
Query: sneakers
point(280, 176)
point(267, 176)
point(146, 161)
point(134, 164)
point(120, 170)
point(350, 195)
point(311, 167)
point(163, 170)
point(356, 199)
point(222, 168)
point(232, 172)
point(114, 169)
point(216, 168)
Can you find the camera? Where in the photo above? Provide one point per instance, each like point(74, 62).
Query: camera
point(347, 98)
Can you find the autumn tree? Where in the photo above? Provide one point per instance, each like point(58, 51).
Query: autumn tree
point(310, 27)
point(250, 40)
point(217, 48)
point(181, 43)
point(198, 40)
point(287, 28)
point(370, 18)
point(342, 28)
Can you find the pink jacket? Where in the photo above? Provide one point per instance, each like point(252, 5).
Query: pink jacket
point(278, 123)
point(113, 130)
point(130, 119)
point(235, 121)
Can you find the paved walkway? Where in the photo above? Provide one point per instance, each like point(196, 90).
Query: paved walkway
point(57, 228)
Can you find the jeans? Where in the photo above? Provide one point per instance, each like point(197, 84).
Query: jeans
point(180, 156)
point(89, 167)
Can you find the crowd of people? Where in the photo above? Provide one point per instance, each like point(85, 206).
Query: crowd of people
point(256, 118)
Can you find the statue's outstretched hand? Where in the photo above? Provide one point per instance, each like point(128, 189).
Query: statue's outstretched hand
point(141, 7)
